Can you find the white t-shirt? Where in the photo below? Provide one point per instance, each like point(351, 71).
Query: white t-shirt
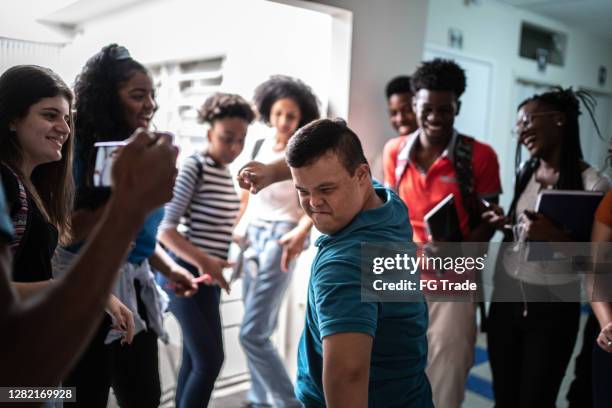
point(279, 201)
point(538, 272)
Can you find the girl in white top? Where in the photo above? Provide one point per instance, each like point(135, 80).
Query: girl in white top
point(276, 236)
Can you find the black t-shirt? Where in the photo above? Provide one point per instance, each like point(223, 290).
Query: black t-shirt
point(32, 260)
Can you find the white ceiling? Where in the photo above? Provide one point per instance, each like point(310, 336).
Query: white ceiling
point(76, 11)
point(594, 16)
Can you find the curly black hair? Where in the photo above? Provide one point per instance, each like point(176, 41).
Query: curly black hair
point(280, 87)
point(98, 108)
point(398, 85)
point(439, 75)
point(224, 105)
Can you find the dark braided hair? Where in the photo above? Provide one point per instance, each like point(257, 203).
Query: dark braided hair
point(224, 105)
point(280, 87)
point(568, 102)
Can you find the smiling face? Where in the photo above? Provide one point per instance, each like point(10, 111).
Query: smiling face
point(435, 112)
point(539, 128)
point(43, 131)
point(328, 194)
point(137, 98)
point(285, 116)
point(401, 116)
point(226, 139)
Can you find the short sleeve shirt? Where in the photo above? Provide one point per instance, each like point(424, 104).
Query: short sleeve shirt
point(604, 211)
point(422, 190)
point(399, 329)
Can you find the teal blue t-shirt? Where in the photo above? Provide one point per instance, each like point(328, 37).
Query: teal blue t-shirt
point(6, 226)
point(399, 330)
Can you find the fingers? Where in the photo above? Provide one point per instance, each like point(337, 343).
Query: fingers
point(223, 283)
point(140, 138)
point(604, 342)
point(130, 329)
point(285, 259)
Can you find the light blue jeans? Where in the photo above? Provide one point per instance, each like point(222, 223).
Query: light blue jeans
point(264, 286)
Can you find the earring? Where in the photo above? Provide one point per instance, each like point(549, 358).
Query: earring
point(559, 123)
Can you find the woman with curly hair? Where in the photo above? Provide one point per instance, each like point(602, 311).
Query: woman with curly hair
point(114, 97)
point(206, 200)
point(275, 238)
point(530, 342)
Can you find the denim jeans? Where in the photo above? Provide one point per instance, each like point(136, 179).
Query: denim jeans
point(203, 353)
point(264, 286)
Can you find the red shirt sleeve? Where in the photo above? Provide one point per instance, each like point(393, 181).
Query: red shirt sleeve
point(390, 152)
point(604, 211)
point(485, 170)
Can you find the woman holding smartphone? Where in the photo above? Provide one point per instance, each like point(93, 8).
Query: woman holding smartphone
point(114, 97)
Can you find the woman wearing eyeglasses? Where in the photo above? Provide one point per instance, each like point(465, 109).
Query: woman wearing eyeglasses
point(530, 342)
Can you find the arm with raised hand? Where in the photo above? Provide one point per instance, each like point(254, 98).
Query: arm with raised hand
point(255, 176)
point(56, 325)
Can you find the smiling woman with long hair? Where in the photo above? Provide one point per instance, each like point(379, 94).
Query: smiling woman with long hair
point(36, 155)
point(114, 97)
point(530, 342)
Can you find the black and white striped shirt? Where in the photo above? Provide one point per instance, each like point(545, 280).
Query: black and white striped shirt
point(207, 207)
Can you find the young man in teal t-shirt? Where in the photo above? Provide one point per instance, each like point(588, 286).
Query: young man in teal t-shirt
point(353, 353)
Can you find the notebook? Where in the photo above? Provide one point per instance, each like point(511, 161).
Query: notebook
point(570, 210)
point(442, 221)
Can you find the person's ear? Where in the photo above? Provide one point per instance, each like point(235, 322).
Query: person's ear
point(414, 104)
point(458, 108)
point(12, 126)
point(363, 172)
point(209, 134)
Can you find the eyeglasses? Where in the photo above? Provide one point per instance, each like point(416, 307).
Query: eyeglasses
point(527, 119)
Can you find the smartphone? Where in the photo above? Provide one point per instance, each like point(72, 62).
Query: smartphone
point(105, 155)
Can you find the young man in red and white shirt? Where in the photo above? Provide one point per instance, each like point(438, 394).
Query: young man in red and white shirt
point(422, 168)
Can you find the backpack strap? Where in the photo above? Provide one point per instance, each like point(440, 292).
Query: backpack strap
point(20, 217)
point(401, 162)
point(199, 163)
point(199, 159)
point(256, 148)
point(462, 161)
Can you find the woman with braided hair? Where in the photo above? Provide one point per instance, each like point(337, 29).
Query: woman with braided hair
point(530, 343)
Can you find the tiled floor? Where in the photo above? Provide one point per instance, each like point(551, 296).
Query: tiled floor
point(479, 393)
point(478, 389)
